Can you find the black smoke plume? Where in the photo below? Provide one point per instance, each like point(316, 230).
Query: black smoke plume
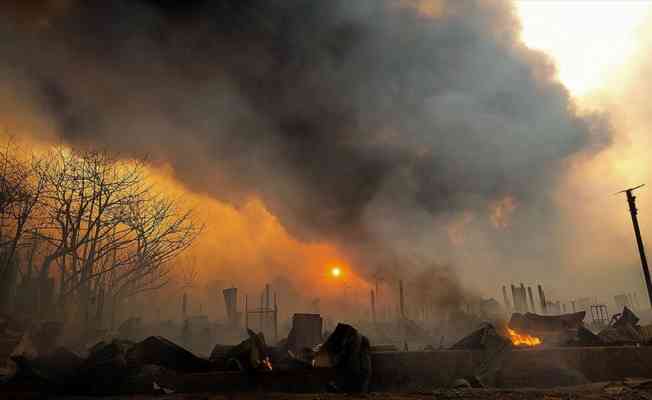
point(361, 123)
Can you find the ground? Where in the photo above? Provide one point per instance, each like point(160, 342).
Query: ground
point(629, 390)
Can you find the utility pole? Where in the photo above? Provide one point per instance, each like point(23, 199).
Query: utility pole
point(631, 200)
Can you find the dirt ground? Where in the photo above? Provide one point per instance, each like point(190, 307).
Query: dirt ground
point(624, 390)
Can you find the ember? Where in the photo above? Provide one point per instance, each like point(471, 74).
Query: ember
point(522, 339)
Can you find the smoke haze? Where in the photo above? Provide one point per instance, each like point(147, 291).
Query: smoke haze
point(405, 134)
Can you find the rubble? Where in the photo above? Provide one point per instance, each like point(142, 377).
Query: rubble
point(493, 346)
point(46, 335)
point(348, 352)
point(306, 332)
point(623, 330)
point(119, 366)
point(130, 329)
point(584, 337)
point(56, 370)
point(105, 368)
point(485, 338)
point(384, 347)
point(159, 351)
point(551, 329)
point(249, 356)
point(343, 363)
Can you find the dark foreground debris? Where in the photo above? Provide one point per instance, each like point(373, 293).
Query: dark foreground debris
point(348, 352)
point(342, 364)
point(157, 365)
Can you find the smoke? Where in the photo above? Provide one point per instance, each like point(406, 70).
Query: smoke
point(601, 247)
point(374, 125)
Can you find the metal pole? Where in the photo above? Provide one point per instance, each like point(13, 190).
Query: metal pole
point(631, 200)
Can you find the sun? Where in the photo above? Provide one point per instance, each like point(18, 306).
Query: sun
point(336, 272)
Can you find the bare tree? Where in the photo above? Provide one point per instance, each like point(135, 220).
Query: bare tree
point(162, 232)
point(95, 218)
point(21, 192)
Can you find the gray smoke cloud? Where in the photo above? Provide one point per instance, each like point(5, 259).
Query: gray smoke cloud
point(363, 123)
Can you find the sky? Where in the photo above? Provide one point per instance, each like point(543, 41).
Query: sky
point(468, 144)
point(600, 49)
point(589, 40)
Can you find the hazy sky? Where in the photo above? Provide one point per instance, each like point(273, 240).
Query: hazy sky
point(416, 134)
point(601, 50)
point(588, 40)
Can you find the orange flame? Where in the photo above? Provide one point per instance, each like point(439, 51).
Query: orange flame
point(522, 339)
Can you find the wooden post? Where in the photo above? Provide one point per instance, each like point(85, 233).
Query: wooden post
point(261, 317)
point(373, 307)
point(523, 296)
point(402, 300)
point(267, 296)
point(506, 299)
point(246, 312)
point(275, 319)
point(184, 306)
point(529, 293)
point(542, 299)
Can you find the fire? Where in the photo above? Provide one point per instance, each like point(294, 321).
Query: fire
point(522, 339)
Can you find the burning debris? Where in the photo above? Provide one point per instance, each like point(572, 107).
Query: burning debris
point(485, 338)
point(523, 339)
point(531, 329)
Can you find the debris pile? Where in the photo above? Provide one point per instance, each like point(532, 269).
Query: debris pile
point(349, 353)
point(569, 329)
point(551, 329)
point(485, 338)
point(493, 346)
point(158, 365)
point(249, 356)
point(622, 330)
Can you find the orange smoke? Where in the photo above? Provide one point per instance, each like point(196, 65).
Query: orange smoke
point(456, 228)
point(242, 245)
point(523, 339)
point(246, 246)
point(427, 8)
point(501, 211)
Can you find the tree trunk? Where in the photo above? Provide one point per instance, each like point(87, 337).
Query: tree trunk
point(8, 285)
